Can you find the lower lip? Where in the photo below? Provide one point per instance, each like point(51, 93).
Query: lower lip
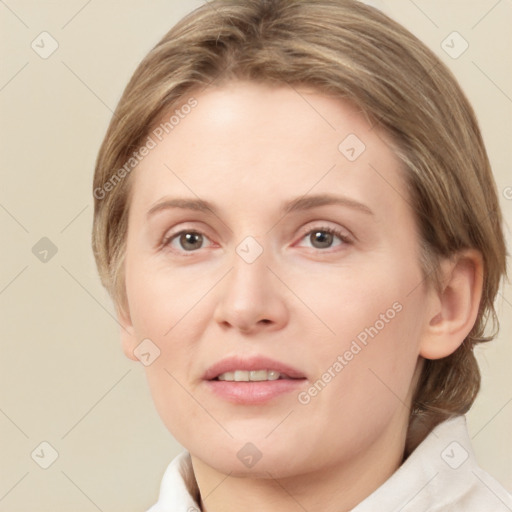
point(253, 392)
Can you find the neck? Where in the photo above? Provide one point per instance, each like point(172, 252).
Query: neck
point(337, 488)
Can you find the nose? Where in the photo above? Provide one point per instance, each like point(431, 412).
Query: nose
point(251, 298)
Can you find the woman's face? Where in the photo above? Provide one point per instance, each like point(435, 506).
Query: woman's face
point(270, 230)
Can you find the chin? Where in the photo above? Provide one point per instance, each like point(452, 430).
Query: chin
point(243, 458)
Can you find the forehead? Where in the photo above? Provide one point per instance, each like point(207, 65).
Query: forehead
point(245, 141)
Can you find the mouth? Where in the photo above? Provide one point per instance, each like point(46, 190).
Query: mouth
point(253, 376)
point(254, 380)
point(251, 369)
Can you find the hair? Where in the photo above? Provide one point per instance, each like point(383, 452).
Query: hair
point(351, 51)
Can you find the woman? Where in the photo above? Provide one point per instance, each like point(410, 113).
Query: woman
point(297, 221)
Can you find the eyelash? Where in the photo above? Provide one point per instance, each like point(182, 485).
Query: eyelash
point(327, 229)
point(345, 239)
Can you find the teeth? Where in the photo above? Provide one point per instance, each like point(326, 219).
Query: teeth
point(246, 376)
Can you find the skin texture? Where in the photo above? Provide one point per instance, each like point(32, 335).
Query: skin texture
point(247, 149)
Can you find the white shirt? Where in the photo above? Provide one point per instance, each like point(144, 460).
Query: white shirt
point(440, 475)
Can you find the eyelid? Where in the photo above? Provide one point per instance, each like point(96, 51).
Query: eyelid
point(172, 234)
point(343, 233)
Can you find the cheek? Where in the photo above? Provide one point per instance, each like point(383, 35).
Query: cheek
point(365, 378)
point(167, 308)
point(352, 303)
point(160, 298)
point(361, 387)
point(376, 324)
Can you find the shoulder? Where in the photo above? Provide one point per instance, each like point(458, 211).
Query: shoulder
point(441, 474)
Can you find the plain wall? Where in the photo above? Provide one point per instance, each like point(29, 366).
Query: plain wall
point(63, 377)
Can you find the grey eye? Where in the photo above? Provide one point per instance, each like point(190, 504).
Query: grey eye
point(321, 239)
point(191, 240)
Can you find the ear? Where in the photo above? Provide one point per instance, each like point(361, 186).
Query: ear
point(128, 338)
point(454, 308)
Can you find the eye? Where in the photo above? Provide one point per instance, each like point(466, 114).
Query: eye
point(186, 240)
point(324, 237)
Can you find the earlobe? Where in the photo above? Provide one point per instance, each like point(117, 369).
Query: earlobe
point(128, 337)
point(455, 305)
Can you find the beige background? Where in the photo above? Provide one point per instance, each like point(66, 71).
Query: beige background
point(63, 377)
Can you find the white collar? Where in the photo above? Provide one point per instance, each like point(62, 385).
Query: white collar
point(441, 474)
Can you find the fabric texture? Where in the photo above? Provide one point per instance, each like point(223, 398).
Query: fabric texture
point(440, 475)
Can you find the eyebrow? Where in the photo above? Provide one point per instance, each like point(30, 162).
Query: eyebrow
point(294, 205)
point(312, 201)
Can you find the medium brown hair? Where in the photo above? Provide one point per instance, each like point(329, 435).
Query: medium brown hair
point(356, 53)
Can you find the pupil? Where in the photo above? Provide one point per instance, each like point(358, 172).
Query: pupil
point(321, 239)
point(190, 240)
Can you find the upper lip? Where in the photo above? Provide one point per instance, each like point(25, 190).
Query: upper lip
point(230, 364)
